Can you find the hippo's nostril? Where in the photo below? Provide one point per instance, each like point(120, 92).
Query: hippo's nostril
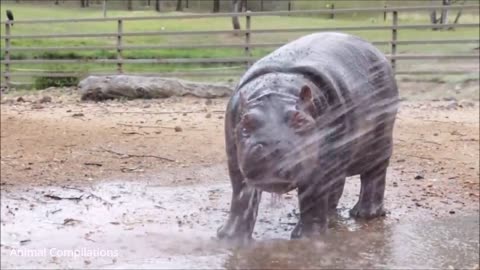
point(257, 150)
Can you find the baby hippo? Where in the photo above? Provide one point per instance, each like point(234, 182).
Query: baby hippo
point(305, 117)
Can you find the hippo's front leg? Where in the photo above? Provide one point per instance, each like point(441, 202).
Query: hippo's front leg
point(243, 209)
point(335, 194)
point(313, 204)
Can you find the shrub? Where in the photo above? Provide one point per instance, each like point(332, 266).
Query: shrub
point(46, 81)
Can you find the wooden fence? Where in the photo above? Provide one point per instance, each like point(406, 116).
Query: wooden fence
point(247, 45)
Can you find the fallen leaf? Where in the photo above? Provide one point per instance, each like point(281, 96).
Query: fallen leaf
point(24, 242)
point(93, 164)
point(70, 222)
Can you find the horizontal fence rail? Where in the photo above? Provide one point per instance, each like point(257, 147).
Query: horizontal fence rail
point(199, 73)
point(162, 74)
point(118, 48)
point(238, 32)
point(254, 14)
point(214, 46)
point(210, 60)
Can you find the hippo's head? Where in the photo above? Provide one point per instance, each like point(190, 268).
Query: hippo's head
point(275, 139)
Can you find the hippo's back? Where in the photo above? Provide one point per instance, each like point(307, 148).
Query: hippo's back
point(353, 66)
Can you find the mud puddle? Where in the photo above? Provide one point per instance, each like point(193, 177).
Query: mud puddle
point(146, 224)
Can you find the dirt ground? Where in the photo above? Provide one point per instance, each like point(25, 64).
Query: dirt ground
point(47, 142)
point(117, 175)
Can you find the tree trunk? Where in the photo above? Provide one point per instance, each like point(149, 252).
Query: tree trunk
point(82, 3)
point(456, 19)
point(129, 5)
point(157, 5)
point(127, 87)
point(87, 3)
point(236, 8)
point(459, 14)
point(444, 17)
point(216, 6)
point(56, 2)
point(433, 17)
point(179, 5)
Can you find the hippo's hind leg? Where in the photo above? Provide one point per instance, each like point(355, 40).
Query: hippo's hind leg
point(370, 202)
point(243, 208)
point(372, 190)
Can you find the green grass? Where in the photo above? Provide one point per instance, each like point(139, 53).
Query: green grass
point(45, 12)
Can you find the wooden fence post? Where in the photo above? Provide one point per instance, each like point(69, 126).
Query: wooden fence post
point(385, 13)
point(104, 7)
point(394, 40)
point(7, 53)
point(119, 47)
point(248, 53)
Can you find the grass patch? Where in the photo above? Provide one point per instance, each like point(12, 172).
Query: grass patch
point(25, 12)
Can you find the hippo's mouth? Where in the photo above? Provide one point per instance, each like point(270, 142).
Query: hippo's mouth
point(272, 185)
point(272, 180)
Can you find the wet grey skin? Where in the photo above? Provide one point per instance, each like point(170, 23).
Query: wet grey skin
point(308, 115)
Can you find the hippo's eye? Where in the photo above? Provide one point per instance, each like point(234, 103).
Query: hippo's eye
point(299, 120)
point(248, 124)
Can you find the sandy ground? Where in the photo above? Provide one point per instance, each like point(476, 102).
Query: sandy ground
point(67, 140)
point(153, 159)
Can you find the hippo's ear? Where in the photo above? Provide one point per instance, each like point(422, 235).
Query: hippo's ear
point(306, 94)
point(306, 100)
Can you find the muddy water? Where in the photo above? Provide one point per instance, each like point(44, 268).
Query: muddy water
point(145, 224)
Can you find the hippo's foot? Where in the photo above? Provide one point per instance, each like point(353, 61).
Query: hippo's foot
point(302, 230)
point(230, 234)
point(334, 212)
point(332, 207)
point(243, 214)
point(367, 212)
point(313, 203)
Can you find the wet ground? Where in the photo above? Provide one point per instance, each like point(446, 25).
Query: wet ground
point(145, 224)
point(143, 184)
